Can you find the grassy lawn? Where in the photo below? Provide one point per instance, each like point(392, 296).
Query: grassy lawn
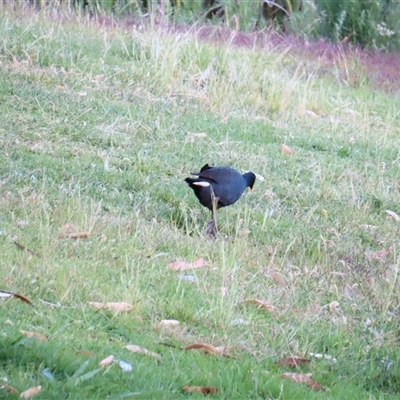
point(99, 127)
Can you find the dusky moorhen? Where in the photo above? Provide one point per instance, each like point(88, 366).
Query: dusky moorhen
point(218, 187)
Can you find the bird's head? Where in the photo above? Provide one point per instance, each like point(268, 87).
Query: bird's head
point(250, 178)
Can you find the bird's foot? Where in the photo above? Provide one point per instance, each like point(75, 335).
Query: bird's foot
point(211, 229)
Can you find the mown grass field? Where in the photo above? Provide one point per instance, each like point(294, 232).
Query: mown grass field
point(99, 127)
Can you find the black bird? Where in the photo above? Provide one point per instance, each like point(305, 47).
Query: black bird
point(218, 187)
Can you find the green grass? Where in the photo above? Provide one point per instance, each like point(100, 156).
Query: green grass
point(99, 127)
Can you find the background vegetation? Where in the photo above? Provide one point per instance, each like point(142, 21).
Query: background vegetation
point(101, 124)
point(369, 23)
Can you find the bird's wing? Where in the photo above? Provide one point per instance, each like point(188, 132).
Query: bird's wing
point(203, 168)
point(207, 178)
point(220, 175)
point(206, 173)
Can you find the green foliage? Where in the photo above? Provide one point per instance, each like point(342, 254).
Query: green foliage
point(369, 23)
point(373, 23)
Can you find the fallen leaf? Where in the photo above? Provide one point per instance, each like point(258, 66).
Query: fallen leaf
point(286, 149)
point(183, 265)
point(74, 235)
point(379, 255)
point(17, 296)
point(113, 306)
point(303, 378)
point(368, 227)
point(324, 356)
point(141, 350)
point(293, 361)
point(27, 394)
point(9, 389)
point(197, 135)
point(169, 322)
point(187, 277)
point(35, 335)
point(207, 348)
point(125, 366)
point(201, 262)
point(22, 298)
point(334, 307)
point(239, 321)
point(201, 389)
point(314, 385)
point(262, 304)
point(279, 279)
point(393, 215)
point(106, 361)
point(299, 378)
point(311, 113)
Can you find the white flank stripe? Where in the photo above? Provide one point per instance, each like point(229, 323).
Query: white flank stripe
point(204, 184)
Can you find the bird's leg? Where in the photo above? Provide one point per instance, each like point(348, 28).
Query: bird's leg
point(214, 201)
point(212, 225)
